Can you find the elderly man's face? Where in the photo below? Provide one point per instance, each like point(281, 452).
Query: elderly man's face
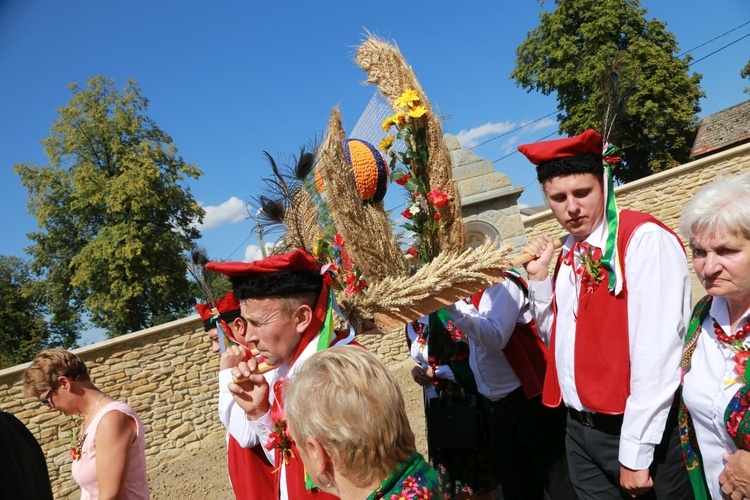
point(274, 329)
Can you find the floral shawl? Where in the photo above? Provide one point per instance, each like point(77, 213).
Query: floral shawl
point(447, 345)
point(736, 415)
point(413, 479)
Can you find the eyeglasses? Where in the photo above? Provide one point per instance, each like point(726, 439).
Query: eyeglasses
point(45, 399)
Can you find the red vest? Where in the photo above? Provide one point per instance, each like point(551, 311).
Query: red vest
point(525, 351)
point(250, 472)
point(602, 349)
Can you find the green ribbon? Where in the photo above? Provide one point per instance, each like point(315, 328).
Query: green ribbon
point(610, 258)
point(324, 341)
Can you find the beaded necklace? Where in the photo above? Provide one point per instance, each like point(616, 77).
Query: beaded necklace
point(736, 345)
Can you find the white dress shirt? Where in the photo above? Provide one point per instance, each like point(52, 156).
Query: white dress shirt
point(232, 416)
point(708, 387)
point(489, 328)
point(658, 283)
point(264, 426)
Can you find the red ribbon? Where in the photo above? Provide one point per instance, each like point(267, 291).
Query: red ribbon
point(569, 259)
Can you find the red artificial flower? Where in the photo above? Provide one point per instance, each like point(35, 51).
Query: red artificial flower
point(740, 360)
point(354, 284)
point(437, 216)
point(412, 251)
point(403, 180)
point(407, 214)
point(437, 198)
point(281, 440)
point(338, 240)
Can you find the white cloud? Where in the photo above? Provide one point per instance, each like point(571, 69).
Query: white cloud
point(470, 138)
point(231, 211)
point(546, 122)
point(252, 252)
point(510, 145)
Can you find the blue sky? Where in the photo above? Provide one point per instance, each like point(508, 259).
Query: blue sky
point(230, 79)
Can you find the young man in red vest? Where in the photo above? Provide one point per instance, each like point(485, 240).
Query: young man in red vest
point(614, 315)
point(250, 472)
point(284, 300)
point(508, 361)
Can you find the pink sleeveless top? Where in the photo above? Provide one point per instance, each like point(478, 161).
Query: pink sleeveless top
point(84, 469)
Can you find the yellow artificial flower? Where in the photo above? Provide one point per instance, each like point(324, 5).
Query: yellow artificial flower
point(387, 123)
point(399, 119)
point(417, 111)
point(408, 99)
point(386, 143)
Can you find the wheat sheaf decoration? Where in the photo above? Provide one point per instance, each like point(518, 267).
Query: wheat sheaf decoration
point(450, 277)
point(364, 226)
point(377, 283)
point(389, 71)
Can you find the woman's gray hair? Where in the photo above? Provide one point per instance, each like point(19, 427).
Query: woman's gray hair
point(722, 205)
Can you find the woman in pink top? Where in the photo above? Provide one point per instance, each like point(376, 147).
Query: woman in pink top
point(108, 451)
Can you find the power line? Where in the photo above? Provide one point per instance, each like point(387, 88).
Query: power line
point(711, 40)
point(516, 151)
point(718, 50)
point(514, 130)
point(239, 246)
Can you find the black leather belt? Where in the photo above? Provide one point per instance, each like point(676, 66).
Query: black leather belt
point(610, 424)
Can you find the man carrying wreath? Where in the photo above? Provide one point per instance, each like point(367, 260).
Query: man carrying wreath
point(614, 315)
point(287, 306)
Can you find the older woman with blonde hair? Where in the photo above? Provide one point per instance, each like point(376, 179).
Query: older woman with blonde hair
point(715, 421)
point(108, 452)
point(346, 413)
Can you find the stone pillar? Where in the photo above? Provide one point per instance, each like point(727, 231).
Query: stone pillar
point(489, 202)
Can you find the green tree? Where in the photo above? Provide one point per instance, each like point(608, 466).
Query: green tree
point(745, 73)
point(23, 329)
point(114, 218)
point(600, 55)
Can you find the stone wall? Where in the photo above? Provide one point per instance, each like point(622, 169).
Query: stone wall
point(663, 195)
point(166, 373)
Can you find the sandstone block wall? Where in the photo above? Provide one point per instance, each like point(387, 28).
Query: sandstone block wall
point(166, 373)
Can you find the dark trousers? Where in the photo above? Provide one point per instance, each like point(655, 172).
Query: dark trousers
point(529, 443)
point(595, 466)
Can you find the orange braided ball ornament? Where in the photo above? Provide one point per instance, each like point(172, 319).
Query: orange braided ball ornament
point(319, 187)
point(370, 170)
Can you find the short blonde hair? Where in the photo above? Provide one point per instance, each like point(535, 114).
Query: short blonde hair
point(348, 400)
point(47, 366)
